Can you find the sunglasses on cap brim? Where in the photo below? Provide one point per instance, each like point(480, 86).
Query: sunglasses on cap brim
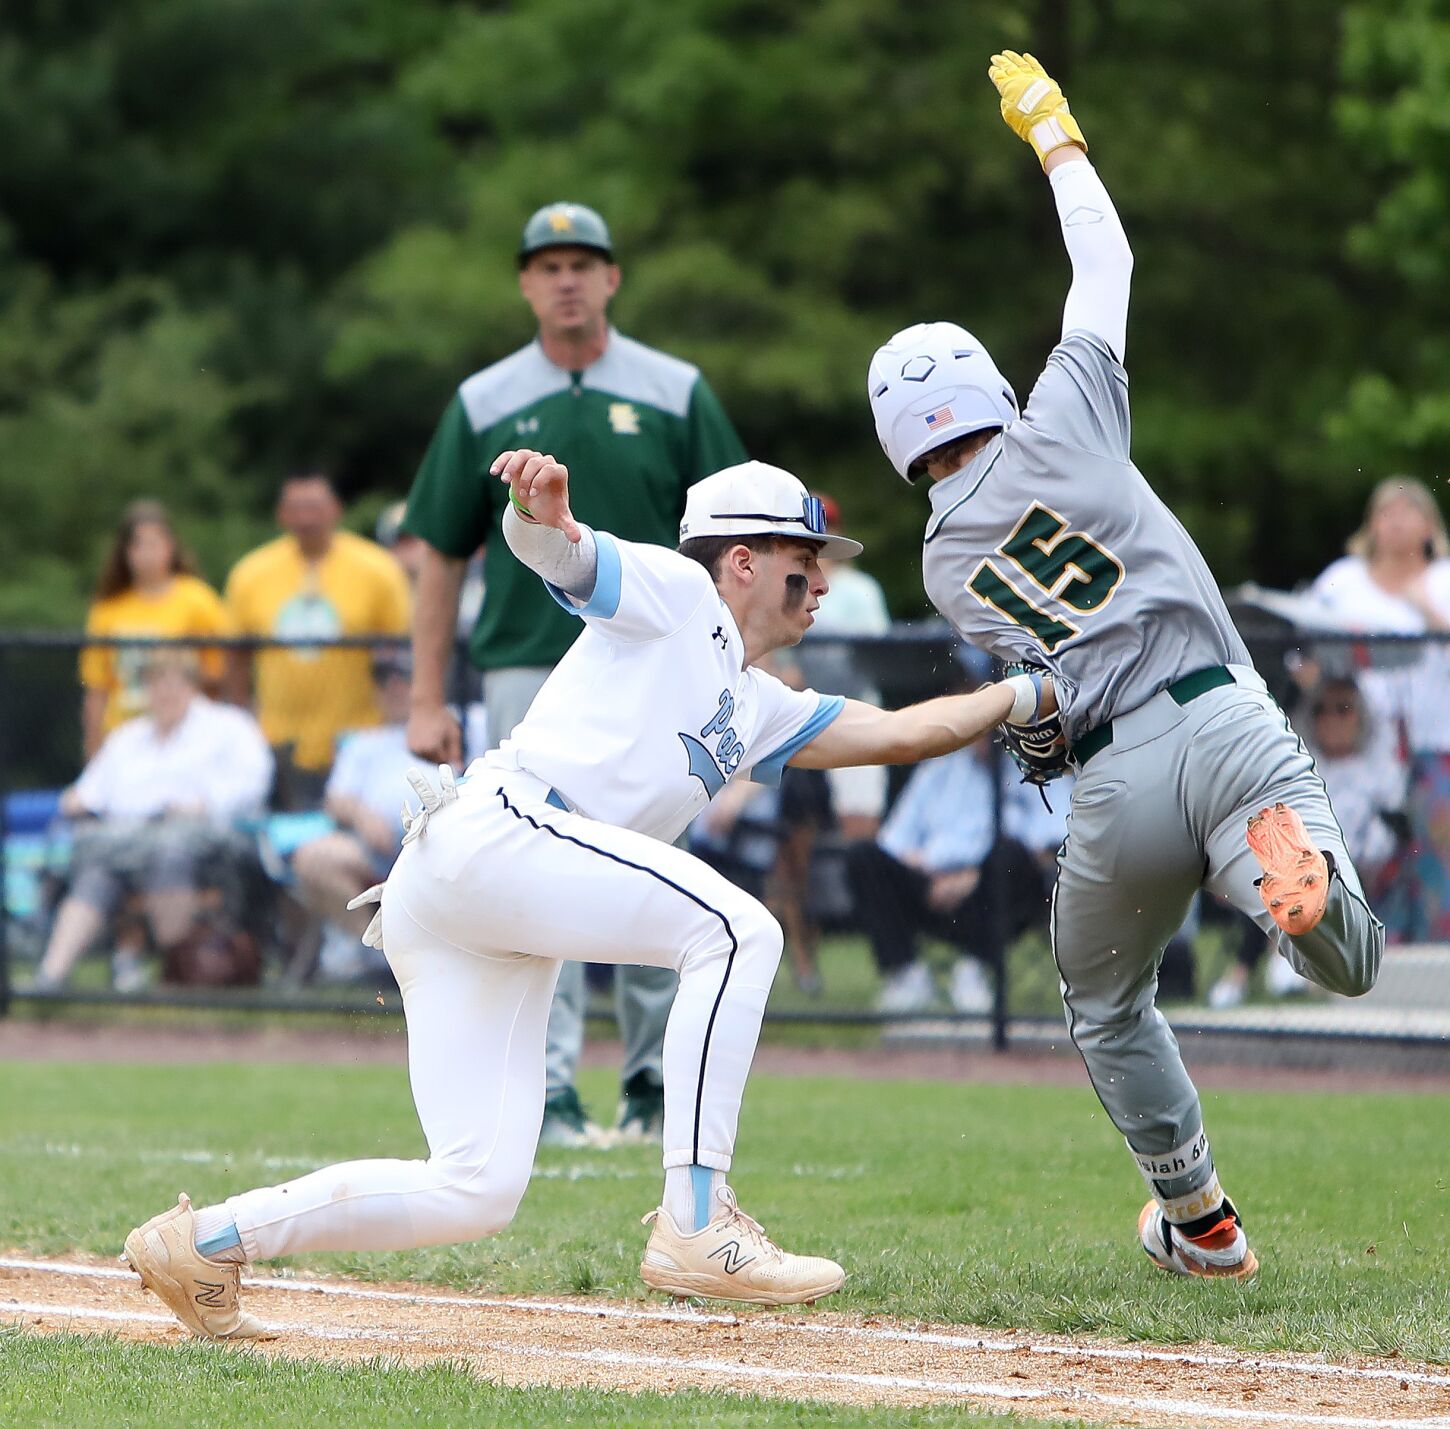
point(812, 517)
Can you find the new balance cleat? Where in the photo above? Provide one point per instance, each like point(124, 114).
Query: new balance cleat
point(203, 1294)
point(1295, 883)
point(1221, 1251)
point(732, 1259)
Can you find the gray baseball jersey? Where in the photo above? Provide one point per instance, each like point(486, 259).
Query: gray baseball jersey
point(1050, 546)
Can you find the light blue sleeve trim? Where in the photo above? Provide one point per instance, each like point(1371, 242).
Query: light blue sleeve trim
point(769, 769)
point(608, 574)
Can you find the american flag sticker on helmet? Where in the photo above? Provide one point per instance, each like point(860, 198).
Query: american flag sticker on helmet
point(940, 417)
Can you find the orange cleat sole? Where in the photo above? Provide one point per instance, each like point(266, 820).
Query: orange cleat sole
point(1295, 884)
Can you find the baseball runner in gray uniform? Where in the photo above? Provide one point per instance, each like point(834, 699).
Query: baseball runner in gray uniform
point(1047, 546)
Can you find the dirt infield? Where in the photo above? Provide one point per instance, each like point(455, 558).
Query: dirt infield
point(66, 1039)
point(817, 1356)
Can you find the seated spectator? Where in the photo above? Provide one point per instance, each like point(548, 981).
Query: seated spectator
point(148, 587)
point(317, 582)
point(934, 868)
point(365, 791)
point(1396, 580)
point(158, 804)
point(1358, 759)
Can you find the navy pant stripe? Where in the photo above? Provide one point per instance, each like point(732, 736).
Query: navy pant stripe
point(695, 899)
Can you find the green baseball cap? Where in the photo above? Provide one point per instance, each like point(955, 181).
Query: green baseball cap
point(559, 225)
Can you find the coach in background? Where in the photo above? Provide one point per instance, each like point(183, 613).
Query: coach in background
point(644, 426)
point(317, 582)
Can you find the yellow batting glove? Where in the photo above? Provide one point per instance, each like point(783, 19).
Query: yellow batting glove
point(1032, 104)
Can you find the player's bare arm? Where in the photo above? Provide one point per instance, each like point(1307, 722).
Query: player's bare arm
point(864, 734)
point(433, 732)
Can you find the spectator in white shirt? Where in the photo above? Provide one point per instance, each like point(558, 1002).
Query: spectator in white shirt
point(1358, 759)
point(366, 789)
point(1396, 580)
point(158, 802)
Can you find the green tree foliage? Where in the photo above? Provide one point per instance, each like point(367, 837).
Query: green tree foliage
point(241, 235)
point(1394, 115)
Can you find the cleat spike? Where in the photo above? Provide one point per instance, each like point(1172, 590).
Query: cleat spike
point(1294, 885)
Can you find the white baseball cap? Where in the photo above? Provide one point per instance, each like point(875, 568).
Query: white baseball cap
point(755, 499)
point(931, 383)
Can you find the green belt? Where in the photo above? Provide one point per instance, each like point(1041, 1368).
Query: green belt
point(1182, 691)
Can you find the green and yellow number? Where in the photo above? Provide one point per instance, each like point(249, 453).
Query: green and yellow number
point(1065, 565)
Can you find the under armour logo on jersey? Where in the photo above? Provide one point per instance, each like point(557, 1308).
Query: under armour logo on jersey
point(719, 634)
point(211, 1294)
point(527, 426)
point(732, 1256)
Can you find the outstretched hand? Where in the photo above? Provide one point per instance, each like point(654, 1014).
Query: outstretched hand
point(539, 486)
point(1033, 105)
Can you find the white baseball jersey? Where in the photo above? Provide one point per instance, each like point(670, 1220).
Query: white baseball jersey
point(651, 711)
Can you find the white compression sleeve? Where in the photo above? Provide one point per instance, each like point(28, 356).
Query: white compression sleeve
point(551, 554)
point(1102, 262)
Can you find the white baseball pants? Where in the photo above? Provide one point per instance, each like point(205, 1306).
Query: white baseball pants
point(475, 915)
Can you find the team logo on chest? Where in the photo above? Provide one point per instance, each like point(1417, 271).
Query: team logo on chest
point(527, 426)
point(712, 770)
point(624, 419)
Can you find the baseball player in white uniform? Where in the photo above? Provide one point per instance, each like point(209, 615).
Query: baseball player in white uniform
point(1046, 545)
point(559, 845)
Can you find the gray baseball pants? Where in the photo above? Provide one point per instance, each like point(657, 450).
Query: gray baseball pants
point(642, 995)
point(1157, 814)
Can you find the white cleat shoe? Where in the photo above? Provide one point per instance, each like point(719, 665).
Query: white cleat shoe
point(971, 990)
point(203, 1294)
point(1222, 1251)
point(733, 1259)
point(908, 989)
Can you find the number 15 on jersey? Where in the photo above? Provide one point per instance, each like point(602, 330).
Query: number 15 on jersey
point(1067, 567)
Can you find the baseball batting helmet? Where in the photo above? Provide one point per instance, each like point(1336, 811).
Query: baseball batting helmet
point(931, 383)
point(559, 225)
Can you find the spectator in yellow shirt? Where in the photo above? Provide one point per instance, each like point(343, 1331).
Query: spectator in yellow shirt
point(148, 587)
point(318, 582)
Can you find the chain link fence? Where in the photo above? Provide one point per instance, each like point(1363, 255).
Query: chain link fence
point(801, 851)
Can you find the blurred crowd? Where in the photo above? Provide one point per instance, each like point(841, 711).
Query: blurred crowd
point(232, 801)
point(235, 795)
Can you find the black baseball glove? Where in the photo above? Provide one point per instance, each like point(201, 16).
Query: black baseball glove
point(1039, 749)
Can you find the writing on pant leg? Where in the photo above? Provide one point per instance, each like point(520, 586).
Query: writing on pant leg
point(1178, 1162)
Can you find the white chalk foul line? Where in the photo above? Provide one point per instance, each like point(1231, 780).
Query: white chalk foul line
point(645, 1314)
point(144, 1317)
point(733, 1373)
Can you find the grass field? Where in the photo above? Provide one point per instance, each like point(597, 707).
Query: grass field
point(995, 1206)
